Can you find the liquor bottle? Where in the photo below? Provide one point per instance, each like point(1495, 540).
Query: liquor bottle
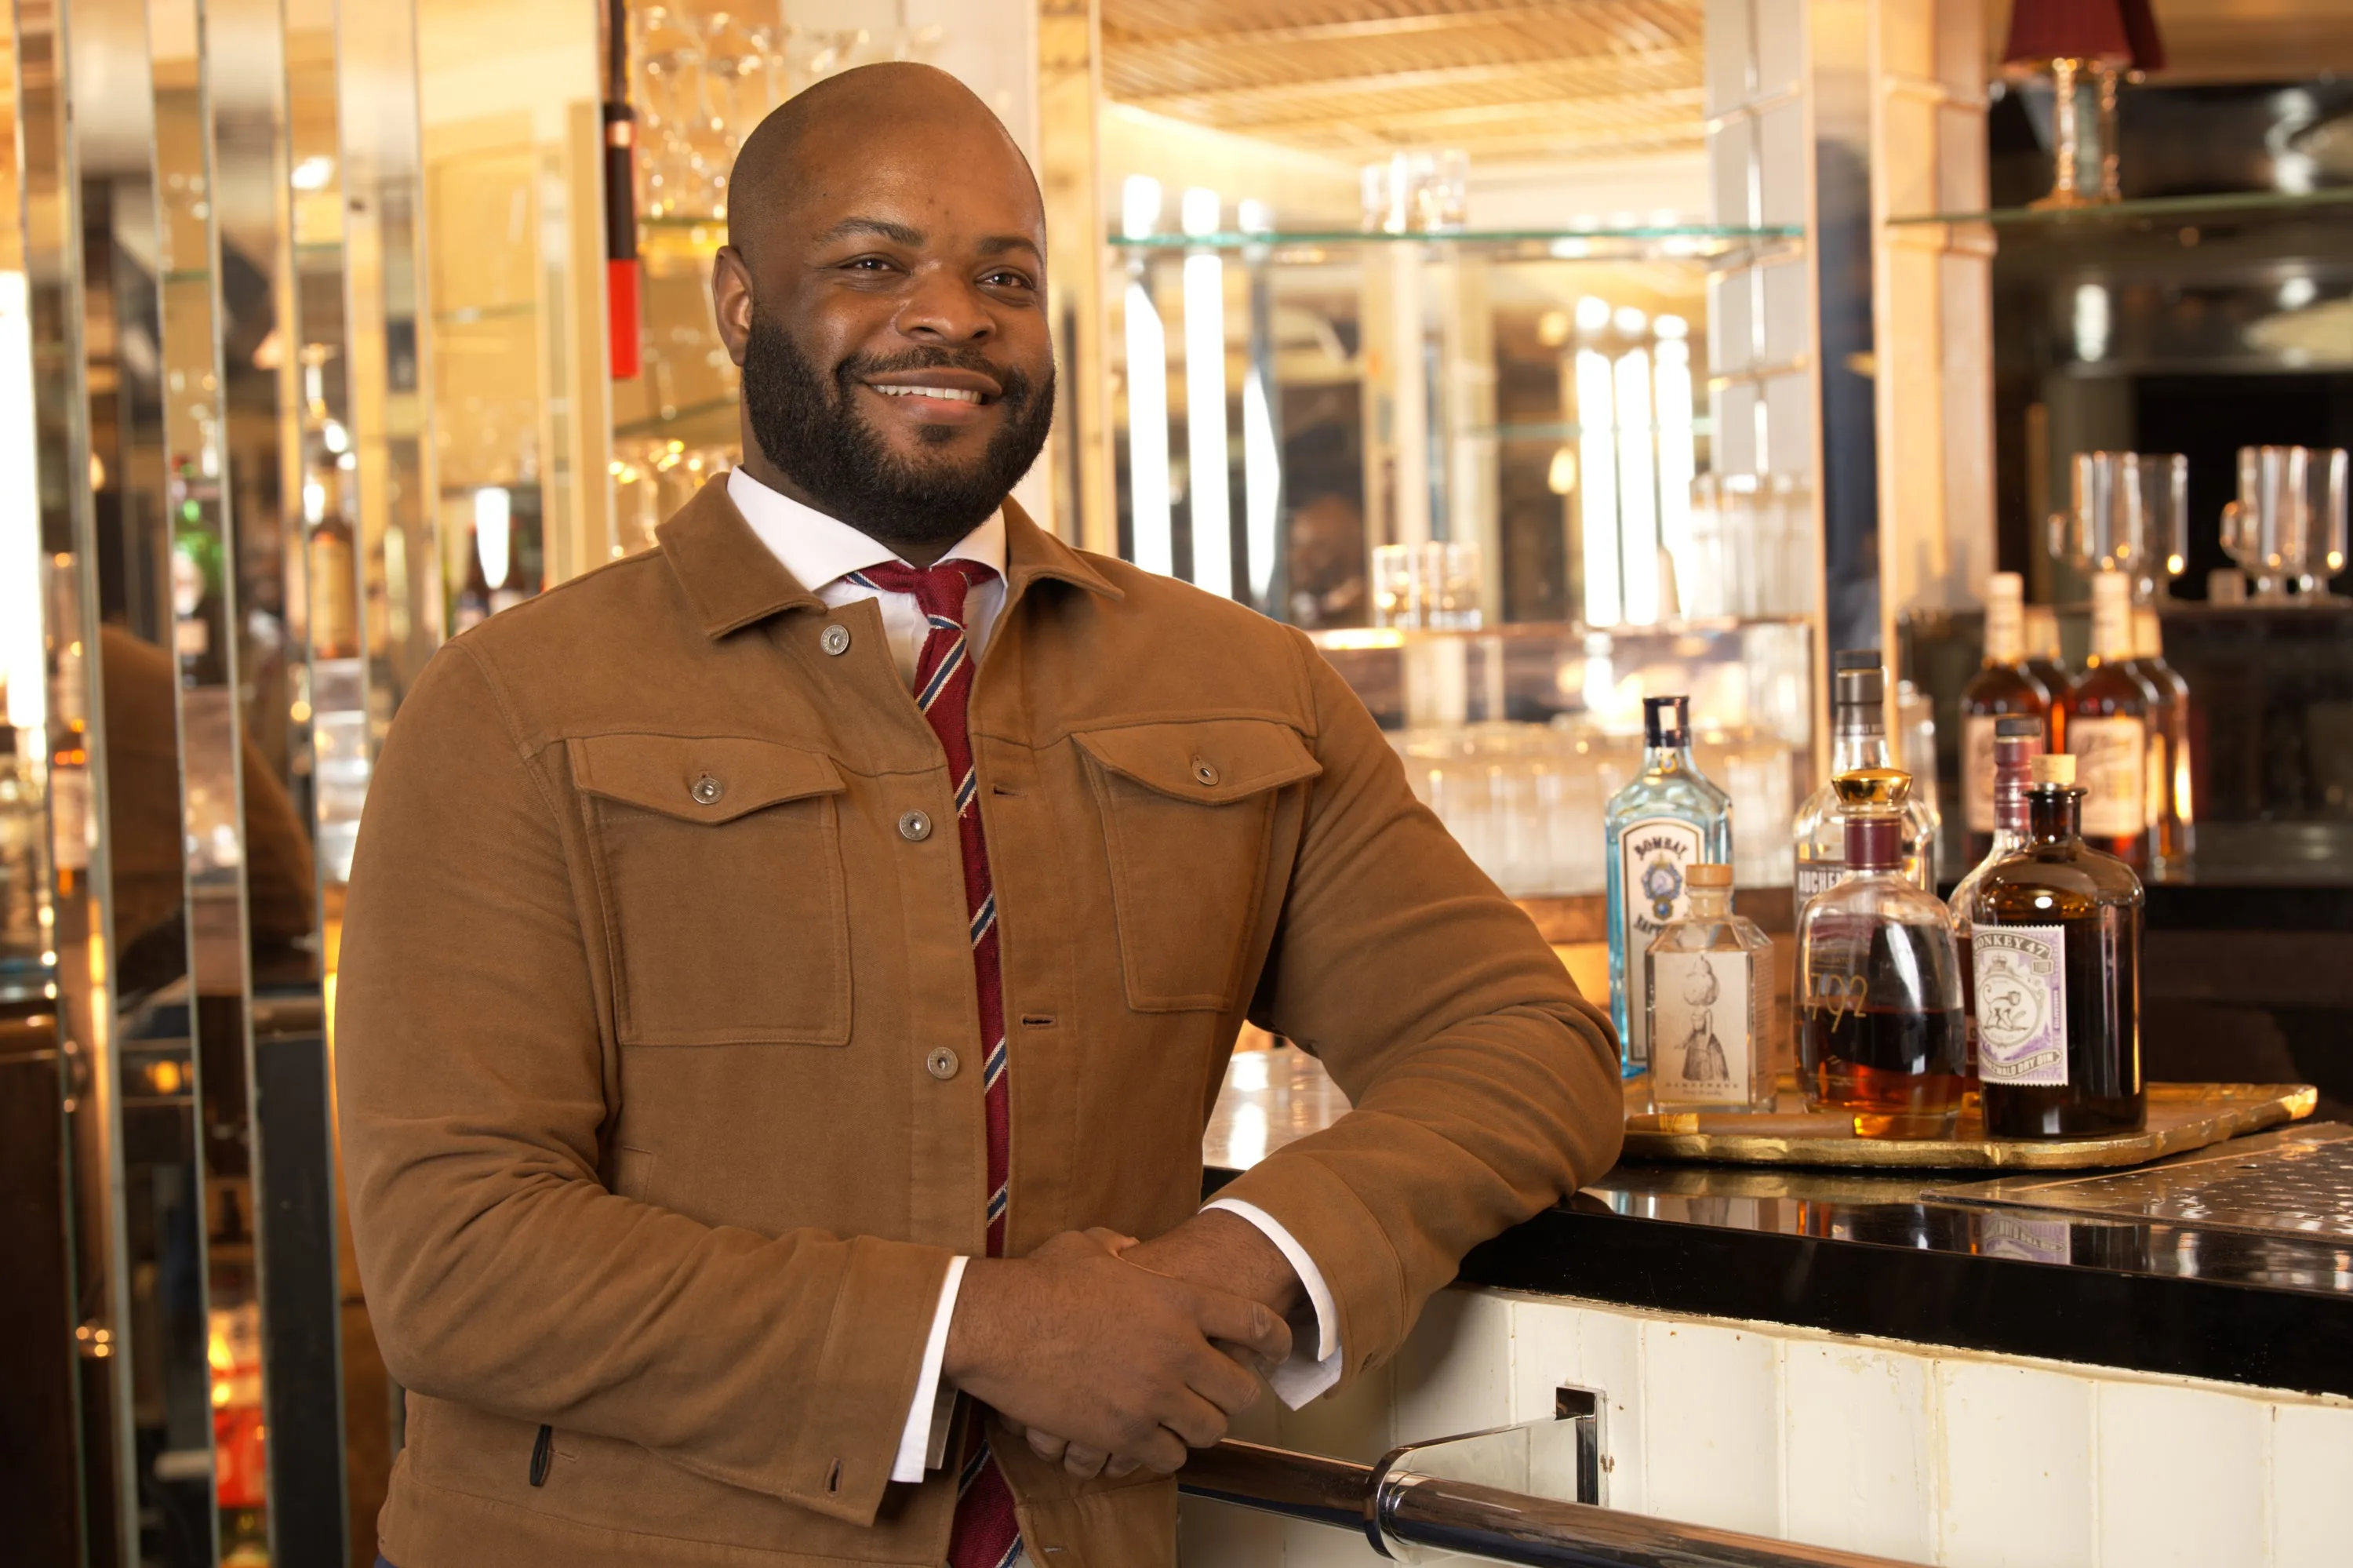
point(2055, 940)
point(22, 825)
point(2170, 794)
point(1880, 1034)
point(1858, 741)
point(1668, 819)
point(2017, 740)
point(2107, 729)
point(2043, 662)
point(2002, 685)
point(1707, 980)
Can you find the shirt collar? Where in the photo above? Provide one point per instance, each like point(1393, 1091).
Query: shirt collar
point(819, 550)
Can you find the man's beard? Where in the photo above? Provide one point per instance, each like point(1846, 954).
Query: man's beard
point(814, 434)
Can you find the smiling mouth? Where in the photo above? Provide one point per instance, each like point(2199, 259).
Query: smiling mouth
point(946, 394)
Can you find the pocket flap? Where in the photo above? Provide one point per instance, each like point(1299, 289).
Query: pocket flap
point(1209, 761)
point(698, 778)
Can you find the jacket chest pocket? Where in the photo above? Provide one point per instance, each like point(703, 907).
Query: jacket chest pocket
point(1187, 812)
point(718, 861)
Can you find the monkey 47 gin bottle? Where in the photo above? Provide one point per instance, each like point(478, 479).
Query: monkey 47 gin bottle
point(1667, 819)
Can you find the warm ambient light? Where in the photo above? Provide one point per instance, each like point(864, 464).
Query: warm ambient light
point(1205, 400)
point(494, 534)
point(23, 674)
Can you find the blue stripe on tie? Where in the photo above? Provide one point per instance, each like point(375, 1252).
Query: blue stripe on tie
point(1012, 1554)
point(966, 791)
point(862, 580)
point(996, 1068)
point(942, 623)
point(983, 920)
point(996, 1205)
point(972, 1469)
point(939, 680)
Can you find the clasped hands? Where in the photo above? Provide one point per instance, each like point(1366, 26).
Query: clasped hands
point(1111, 1354)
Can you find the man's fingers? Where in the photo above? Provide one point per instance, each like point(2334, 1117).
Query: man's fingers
point(1048, 1447)
point(1110, 1240)
point(1219, 1381)
point(1163, 1452)
point(1083, 1462)
point(1242, 1321)
point(1119, 1468)
point(1195, 1420)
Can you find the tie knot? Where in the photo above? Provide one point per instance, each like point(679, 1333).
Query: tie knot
point(940, 590)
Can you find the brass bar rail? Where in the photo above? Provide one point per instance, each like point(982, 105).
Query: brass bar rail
point(1391, 1506)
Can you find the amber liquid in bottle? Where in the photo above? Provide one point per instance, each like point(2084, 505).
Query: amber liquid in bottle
point(1880, 1032)
point(2107, 724)
point(2003, 688)
point(2056, 938)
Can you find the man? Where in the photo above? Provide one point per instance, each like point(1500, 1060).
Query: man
point(782, 974)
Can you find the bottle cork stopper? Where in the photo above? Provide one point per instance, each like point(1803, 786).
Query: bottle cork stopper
point(1707, 874)
point(2057, 767)
point(2110, 589)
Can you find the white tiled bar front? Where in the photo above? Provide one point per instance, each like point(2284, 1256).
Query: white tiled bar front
point(1910, 1452)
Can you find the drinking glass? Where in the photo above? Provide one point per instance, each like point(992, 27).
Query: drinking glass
point(2287, 527)
point(2130, 514)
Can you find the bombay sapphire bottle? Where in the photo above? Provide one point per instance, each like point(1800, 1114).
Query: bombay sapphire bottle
point(1667, 819)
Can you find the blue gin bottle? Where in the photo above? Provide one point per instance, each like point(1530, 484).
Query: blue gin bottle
point(1666, 820)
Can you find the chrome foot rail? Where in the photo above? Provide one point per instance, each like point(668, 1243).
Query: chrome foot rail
point(1398, 1510)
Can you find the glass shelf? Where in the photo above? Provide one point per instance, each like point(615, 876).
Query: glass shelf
point(2176, 209)
point(1673, 242)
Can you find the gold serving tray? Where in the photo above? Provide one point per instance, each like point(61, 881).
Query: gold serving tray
point(2180, 1116)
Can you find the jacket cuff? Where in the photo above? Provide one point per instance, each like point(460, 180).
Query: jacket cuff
point(1360, 1267)
point(841, 1460)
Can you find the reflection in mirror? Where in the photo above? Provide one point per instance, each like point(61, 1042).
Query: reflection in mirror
point(38, 1487)
point(163, 1389)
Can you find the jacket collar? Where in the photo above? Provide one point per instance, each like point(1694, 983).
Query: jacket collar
point(731, 579)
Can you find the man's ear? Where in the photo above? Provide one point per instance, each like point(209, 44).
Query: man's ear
point(730, 299)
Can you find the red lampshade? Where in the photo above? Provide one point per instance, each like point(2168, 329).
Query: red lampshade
point(2140, 31)
point(2042, 31)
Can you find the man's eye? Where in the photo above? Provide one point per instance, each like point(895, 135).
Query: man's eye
point(872, 263)
point(1007, 281)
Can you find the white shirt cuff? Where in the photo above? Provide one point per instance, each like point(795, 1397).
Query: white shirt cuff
point(922, 1445)
point(1304, 1376)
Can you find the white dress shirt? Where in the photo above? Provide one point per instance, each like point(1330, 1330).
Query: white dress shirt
point(822, 552)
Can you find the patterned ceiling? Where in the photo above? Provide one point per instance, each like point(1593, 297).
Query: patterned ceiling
point(1506, 79)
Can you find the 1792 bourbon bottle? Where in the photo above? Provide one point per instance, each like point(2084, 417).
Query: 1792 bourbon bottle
point(1878, 980)
point(2056, 931)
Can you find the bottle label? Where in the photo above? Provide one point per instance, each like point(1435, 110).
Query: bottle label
point(2112, 765)
point(1652, 855)
point(1977, 771)
point(2022, 1001)
point(1703, 1026)
point(2153, 788)
point(1813, 875)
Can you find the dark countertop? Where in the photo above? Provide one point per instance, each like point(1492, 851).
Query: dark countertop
point(2191, 1289)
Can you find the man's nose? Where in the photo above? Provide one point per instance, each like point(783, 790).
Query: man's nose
point(941, 307)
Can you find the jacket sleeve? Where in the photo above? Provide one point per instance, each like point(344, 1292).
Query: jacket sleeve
point(1485, 1089)
point(474, 1085)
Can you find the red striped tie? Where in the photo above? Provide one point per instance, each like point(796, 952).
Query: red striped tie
point(987, 1535)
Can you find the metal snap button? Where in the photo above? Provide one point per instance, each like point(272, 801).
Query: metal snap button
point(914, 827)
point(707, 790)
point(834, 639)
point(942, 1064)
point(1204, 771)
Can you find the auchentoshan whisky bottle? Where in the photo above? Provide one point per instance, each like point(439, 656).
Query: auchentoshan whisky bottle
point(1668, 819)
point(2055, 932)
point(1858, 741)
point(1879, 980)
point(1707, 983)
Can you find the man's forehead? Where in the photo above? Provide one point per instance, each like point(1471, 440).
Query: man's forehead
point(899, 194)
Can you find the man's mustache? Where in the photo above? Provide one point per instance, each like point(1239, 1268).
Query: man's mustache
point(1013, 384)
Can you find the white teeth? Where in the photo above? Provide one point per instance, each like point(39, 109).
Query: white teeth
point(953, 394)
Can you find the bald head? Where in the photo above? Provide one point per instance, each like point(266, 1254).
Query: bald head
point(826, 137)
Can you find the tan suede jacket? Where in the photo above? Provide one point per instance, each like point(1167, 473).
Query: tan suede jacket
point(639, 978)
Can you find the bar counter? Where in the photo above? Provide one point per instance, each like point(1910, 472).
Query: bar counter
point(1920, 1256)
